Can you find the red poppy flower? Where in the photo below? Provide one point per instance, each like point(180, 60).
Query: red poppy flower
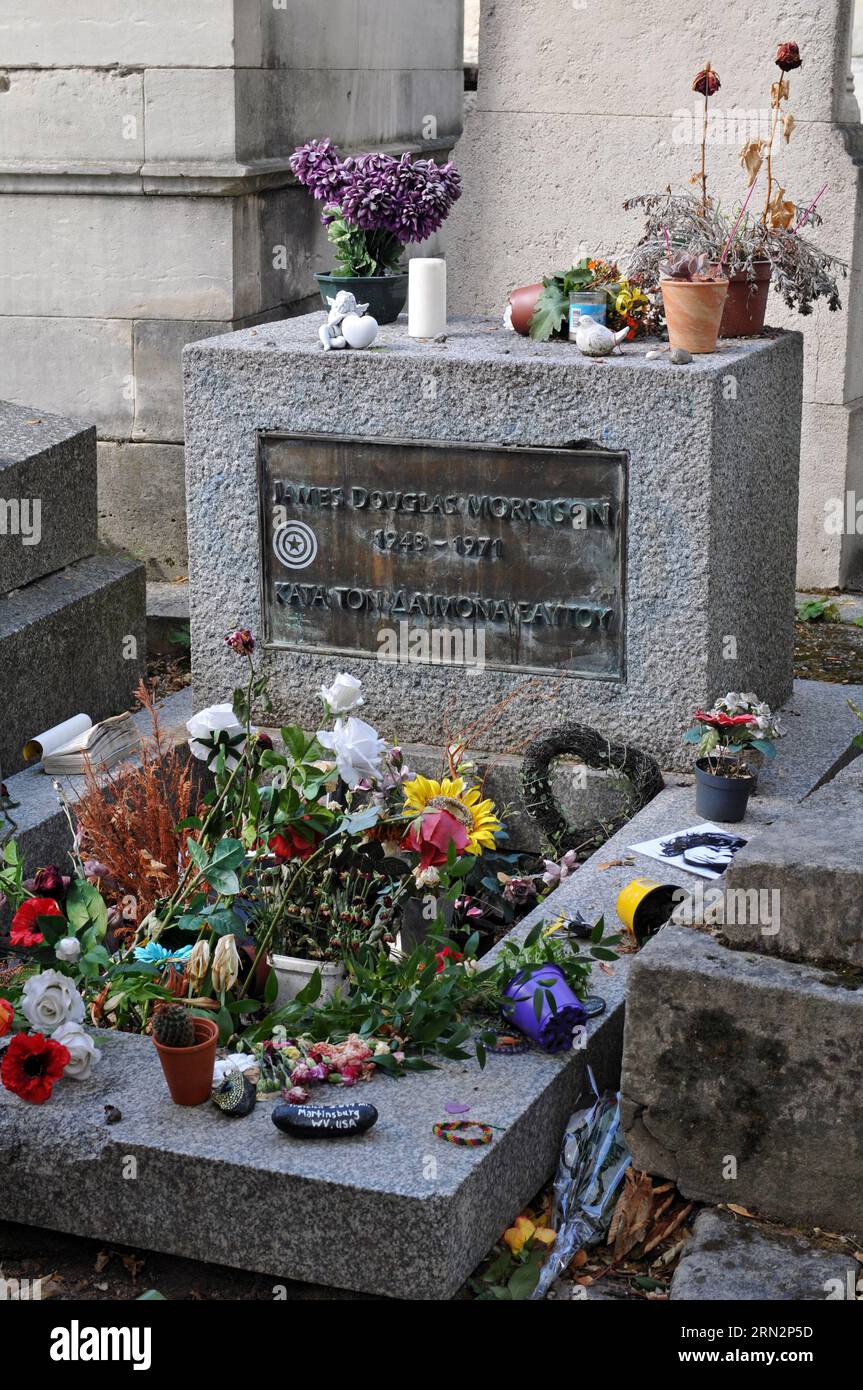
point(31, 1065)
point(7, 1013)
point(431, 836)
point(23, 931)
point(293, 845)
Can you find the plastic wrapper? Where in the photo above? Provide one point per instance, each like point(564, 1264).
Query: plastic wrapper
point(594, 1158)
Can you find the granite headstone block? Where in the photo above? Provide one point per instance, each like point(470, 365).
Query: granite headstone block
point(48, 514)
point(707, 521)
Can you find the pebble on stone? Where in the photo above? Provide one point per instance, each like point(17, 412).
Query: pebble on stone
point(679, 356)
point(324, 1121)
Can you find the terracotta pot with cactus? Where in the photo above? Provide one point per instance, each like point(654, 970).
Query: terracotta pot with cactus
point(187, 1050)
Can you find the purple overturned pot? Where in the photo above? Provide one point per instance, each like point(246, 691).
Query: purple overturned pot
point(553, 1029)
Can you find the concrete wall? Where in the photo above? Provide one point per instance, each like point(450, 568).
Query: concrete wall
point(145, 199)
point(580, 105)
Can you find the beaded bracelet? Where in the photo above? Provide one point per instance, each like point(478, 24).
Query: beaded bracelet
point(451, 1132)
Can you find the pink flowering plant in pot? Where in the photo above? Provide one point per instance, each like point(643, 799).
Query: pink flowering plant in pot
point(726, 736)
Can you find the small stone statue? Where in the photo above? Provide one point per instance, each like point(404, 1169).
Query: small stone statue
point(348, 324)
point(594, 339)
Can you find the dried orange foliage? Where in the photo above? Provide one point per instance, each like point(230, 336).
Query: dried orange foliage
point(126, 819)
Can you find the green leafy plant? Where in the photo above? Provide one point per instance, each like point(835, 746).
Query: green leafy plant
point(815, 610)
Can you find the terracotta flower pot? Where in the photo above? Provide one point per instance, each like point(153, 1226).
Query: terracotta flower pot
point(523, 302)
point(746, 305)
point(189, 1070)
point(693, 312)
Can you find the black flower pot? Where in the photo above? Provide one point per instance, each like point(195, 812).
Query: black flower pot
point(721, 798)
point(385, 295)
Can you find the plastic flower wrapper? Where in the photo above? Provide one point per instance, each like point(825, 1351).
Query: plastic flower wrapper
point(594, 1158)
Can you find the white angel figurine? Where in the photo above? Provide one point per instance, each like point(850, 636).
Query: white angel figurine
point(348, 324)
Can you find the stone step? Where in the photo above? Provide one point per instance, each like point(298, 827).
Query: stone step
point(811, 866)
point(41, 827)
point(48, 511)
point(730, 1258)
point(741, 1079)
point(72, 642)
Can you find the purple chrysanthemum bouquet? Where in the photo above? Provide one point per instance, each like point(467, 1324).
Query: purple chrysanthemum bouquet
point(375, 204)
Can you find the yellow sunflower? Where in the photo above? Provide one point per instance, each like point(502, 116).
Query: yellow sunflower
point(463, 803)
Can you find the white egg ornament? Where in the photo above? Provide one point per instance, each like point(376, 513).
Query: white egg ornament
point(359, 332)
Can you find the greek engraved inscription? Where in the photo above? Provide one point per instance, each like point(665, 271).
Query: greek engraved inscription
point(523, 548)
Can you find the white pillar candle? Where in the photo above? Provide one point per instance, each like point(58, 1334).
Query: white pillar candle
point(426, 296)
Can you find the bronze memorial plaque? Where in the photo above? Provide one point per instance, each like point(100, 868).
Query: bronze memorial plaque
point(511, 558)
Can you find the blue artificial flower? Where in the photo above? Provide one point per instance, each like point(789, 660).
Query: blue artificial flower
point(157, 956)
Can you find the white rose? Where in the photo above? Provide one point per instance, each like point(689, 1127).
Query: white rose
point(50, 999)
point(205, 728)
point(357, 748)
point(83, 1050)
point(68, 950)
point(344, 694)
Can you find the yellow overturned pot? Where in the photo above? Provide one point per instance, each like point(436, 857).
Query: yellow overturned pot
point(644, 906)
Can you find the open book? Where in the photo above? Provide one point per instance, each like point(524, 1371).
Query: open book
point(101, 745)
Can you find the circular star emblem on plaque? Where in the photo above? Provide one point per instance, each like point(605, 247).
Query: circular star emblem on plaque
point(295, 545)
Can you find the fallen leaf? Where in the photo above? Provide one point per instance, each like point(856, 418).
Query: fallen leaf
point(739, 1211)
point(616, 863)
point(578, 1260)
point(103, 1259)
point(669, 1228)
point(133, 1265)
point(631, 1214)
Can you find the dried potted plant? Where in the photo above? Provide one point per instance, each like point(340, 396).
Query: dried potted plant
point(754, 250)
point(725, 736)
point(374, 205)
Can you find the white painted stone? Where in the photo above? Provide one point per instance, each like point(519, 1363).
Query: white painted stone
point(73, 114)
point(78, 367)
point(190, 113)
point(557, 141)
point(116, 257)
point(94, 33)
point(619, 66)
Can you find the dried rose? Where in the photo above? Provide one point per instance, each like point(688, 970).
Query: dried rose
point(241, 641)
point(706, 82)
point(788, 57)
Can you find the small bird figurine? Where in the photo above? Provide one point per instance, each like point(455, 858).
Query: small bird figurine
point(594, 339)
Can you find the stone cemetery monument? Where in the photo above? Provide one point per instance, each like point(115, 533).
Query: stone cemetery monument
point(72, 636)
point(619, 534)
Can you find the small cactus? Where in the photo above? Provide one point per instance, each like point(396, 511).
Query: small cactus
point(173, 1026)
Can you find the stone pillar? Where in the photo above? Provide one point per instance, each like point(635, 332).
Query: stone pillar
point(577, 112)
point(146, 200)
